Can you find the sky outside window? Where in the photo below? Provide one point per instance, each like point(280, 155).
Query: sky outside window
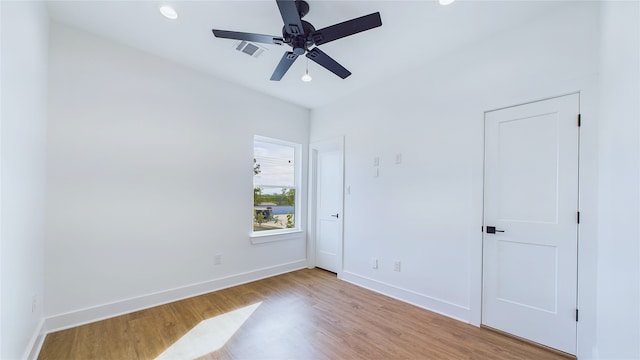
point(276, 164)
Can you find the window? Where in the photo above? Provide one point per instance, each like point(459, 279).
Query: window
point(275, 186)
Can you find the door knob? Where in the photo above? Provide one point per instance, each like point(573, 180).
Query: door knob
point(493, 230)
point(335, 216)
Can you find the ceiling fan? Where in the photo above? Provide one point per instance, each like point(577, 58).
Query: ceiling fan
point(301, 35)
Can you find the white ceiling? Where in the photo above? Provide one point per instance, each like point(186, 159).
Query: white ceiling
point(413, 33)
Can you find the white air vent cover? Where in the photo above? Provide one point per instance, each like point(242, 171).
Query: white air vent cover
point(250, 48)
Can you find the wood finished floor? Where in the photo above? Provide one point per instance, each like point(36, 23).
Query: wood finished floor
point(307, 314)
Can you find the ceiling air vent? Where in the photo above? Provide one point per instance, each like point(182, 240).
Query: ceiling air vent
point(250, 49)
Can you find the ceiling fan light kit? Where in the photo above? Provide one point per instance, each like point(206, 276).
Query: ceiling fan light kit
point(168, 12)
point(304, 38)
point(306, 77)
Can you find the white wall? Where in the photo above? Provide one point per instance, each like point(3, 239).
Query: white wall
point(23, 113)
point(619, 183)
point(428, 210)
point(149, 176)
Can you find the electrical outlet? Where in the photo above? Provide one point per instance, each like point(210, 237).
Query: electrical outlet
point(34, 303)
point(396, 266)
point(217, 259)
point(374, 263)
point(398, 158)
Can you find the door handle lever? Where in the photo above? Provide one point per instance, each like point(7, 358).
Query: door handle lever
point(493, 230)
point(335, 216)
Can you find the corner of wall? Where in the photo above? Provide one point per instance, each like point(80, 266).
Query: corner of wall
point(35, 344)
point(618, 250)
point(23, 54)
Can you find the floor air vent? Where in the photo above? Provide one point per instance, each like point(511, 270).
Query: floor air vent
point(250, 49)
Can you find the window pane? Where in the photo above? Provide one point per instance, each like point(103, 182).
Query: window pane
point(274, 208)
point(274, 184)
point(273, 164)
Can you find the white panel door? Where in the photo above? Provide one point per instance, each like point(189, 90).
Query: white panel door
point(329, 189)
point(531, 199)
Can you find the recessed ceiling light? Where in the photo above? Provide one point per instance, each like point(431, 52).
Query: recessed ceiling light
point(445, 2)
point(168, 12)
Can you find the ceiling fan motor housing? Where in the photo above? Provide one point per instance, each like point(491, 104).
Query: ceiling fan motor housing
point(299, 42)
point(303, 8)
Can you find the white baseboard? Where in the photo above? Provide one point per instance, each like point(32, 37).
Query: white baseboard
point(105, 311)
point(435, 305)
point(35, 343)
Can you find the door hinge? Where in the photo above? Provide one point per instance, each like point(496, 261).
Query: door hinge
point(576, 315)
point(578, 217)
point(579, 120)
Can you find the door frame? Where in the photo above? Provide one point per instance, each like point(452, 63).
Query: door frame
point(314, 148)
point(578, 234)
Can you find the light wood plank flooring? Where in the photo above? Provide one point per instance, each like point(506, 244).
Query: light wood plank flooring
point(307, 314)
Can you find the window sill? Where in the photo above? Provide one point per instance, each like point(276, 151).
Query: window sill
point(271, 236)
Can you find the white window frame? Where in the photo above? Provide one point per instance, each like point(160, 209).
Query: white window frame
point(263, 236)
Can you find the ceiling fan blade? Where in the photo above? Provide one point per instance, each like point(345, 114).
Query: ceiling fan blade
point(285, 63)
point(259, 38)
point(291, 17)
point(346, 28)
point(327, 62)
